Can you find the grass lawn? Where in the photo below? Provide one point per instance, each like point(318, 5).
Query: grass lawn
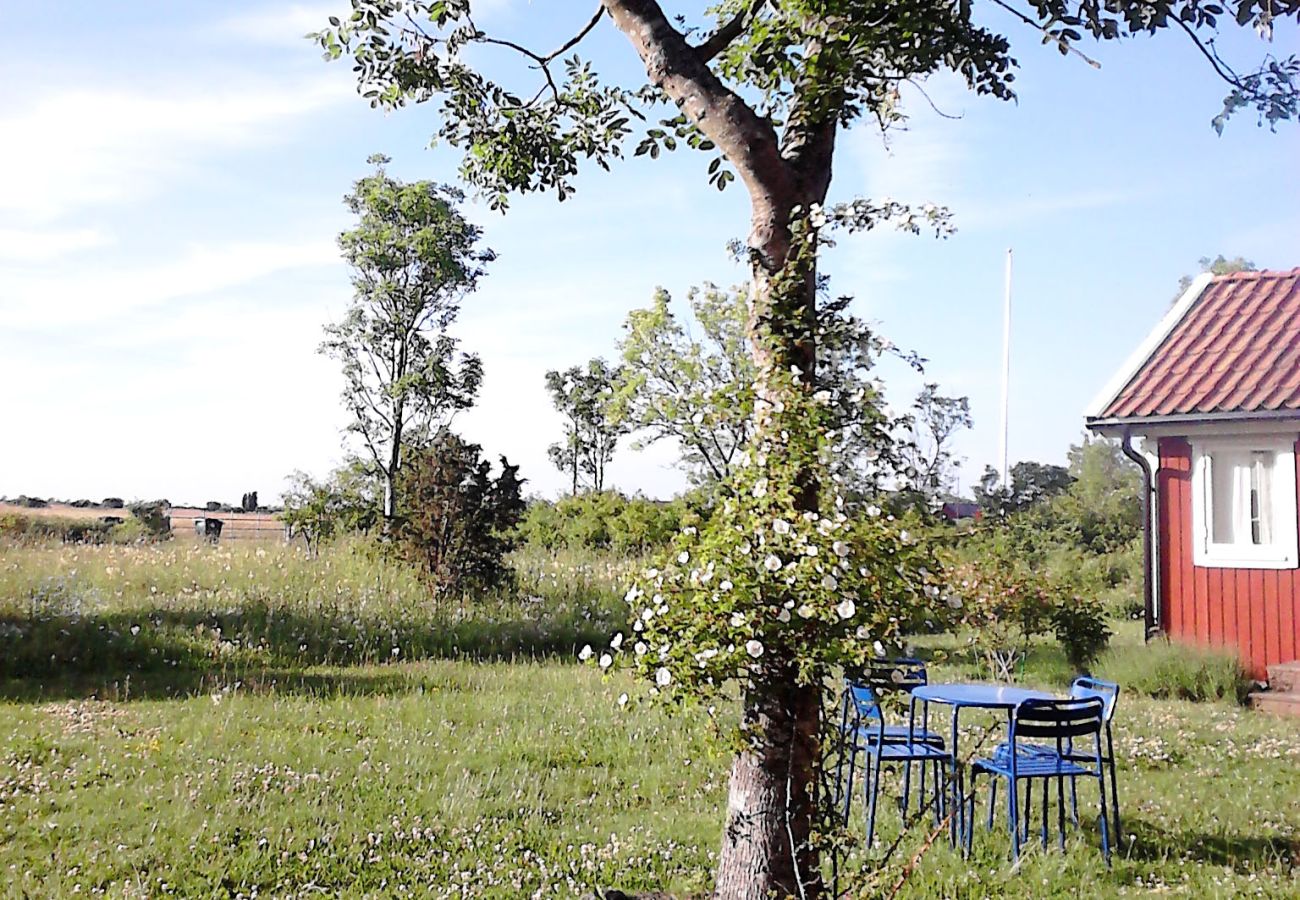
point(266, 772)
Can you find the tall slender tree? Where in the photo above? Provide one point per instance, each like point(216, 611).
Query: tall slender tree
point(582, 395)
point(765, 87)
point(414, 257)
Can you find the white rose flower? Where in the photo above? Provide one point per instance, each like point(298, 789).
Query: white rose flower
point(805, 611)
point(640, 648)
point(878, 647)
point(617, 642)
point(846, 608)
point(829, 582)
point(585, 653)
point(873, 511)
point(684, 557)
point(783, 616)
point(724, 585)
point(632, 593)
point(754, 649)
point(840, 548)
point(663, 678)
point(737, 619)
point(772, 563)
point(606, 660)
point(622, 699)
point(781, 526)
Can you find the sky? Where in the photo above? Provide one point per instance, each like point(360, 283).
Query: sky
point(170, 193)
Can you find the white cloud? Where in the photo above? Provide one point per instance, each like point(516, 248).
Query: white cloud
point(35, 245)
point(72, 148)
point(46, 299)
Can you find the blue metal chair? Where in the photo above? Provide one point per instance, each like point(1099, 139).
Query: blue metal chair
point(866, 733)
point(1063, 722)
point(883, 675)
point(1083, 687)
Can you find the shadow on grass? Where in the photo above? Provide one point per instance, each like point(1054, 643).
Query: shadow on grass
point(168, 652)
point(1239, 852)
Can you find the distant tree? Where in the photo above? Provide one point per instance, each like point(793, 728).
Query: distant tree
point(213, 506)
point(927, 457)
point(1220, 265)
point(1031, 484)
point(1104, 502)
point(348, 500)
point(248, 503)
point(413, 258)
point(154, 515)
point(113, 503)
point(582, 396)
point(457, 520)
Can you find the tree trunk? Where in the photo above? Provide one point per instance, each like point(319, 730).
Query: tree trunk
point(765, 847)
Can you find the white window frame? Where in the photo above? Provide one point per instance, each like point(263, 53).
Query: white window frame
point(1283, 552)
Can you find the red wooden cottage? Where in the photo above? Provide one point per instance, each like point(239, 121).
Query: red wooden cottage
point(1209, 406)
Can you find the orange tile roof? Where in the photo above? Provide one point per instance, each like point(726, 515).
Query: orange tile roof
point(1235, 350)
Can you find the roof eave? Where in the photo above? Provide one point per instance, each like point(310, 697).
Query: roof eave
point(1138, 358)
point(1097, 423)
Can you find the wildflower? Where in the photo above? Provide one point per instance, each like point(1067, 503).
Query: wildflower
point(585, 653)
point(622, 699)
point(783, 616)
point(772, 563)
point(684, 557)
point(873, 511)
point(724, 585)
point(904, 536)
point(805, 611)
point(663, 677)
point(760, 489)
point(781, 526)
point(840, 548)
point(617, 642)
point(878, 647)
point(606, 660)
point(829, 583)
point(397, 651)
point(754, 649)
point(846, 608)
point(632, 594)
point(737, 619)
point(640, 648)
point(954, 601)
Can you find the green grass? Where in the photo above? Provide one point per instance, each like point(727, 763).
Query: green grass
point(472, 775)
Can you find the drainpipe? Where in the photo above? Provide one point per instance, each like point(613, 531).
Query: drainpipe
point(1148, 488)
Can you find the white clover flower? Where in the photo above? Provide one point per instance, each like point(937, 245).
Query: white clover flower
point(783, 615)
point(585, 653)
point(840, 548)
point(617, 642)
point(640, 648)
point(846, 608)
point(606, 660)
point(663, 677)
point(805, 611)
point(829, 582)
point(684, 557)
point(772, 563)
point(754, 649)
point(781, 526)
point(622, 699)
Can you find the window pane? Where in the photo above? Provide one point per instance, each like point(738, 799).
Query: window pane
point(1223, 479)
point(1261, 498)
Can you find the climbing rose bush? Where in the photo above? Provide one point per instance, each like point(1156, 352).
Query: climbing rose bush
point(762, 582)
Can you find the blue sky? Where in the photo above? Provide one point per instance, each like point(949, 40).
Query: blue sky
point(170, 186)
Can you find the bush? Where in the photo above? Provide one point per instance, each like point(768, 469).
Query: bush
point(600, 521)
point(30, 502)
point(1080, 626)
point(1162, 669)
point(153, 517)
point(113, 503)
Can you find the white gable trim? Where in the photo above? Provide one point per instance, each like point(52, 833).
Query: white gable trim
point(1148, 346)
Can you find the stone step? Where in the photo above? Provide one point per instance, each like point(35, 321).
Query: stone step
point(1281, 703)
point(1284, 676)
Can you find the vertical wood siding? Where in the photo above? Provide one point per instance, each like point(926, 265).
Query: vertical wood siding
point(1255, 611)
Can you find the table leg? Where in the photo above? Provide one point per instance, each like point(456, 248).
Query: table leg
point(958, 812)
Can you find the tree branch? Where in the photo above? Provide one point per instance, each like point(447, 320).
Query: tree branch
point(1061, 42)
point(722, 38)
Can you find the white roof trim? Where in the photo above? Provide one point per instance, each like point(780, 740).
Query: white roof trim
point(1153, 340)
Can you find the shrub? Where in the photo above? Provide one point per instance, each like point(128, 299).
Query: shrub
point(605, 520)
point(1162, 669)
point(113, 503)
point(1001, 607)
point(1080, 626)
point(30, 502)
point(456, 521)
point(153, 517)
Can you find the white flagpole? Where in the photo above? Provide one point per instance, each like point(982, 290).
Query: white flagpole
point(1006, 370)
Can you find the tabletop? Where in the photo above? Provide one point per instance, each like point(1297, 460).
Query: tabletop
point(986, 696)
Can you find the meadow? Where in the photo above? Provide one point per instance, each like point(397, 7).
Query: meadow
point(240, 721)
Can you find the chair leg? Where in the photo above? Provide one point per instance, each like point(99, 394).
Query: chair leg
point(1060, 810)
point(969, 836)
point(875, 793)
point(1074, 798)
point(1046, 790)
point(1105, 819)
point(907, 789)
point(1114, 798)
point(993, 797)
point(847, 789)
point(1029, 804)
point(1013, 818)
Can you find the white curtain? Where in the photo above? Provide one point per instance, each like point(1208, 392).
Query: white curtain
point(1236, 479)
point(1262, 472)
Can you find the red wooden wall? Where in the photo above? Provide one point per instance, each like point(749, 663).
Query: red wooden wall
point(1257, 611)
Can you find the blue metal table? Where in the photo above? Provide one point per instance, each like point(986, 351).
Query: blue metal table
point(970, 696)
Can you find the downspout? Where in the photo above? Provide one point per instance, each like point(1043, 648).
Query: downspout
point(1148, 488)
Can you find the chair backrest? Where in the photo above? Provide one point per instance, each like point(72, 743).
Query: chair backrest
point(1059, 720)
point(861, 701)
point(1108, 691)
point(903, 673)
